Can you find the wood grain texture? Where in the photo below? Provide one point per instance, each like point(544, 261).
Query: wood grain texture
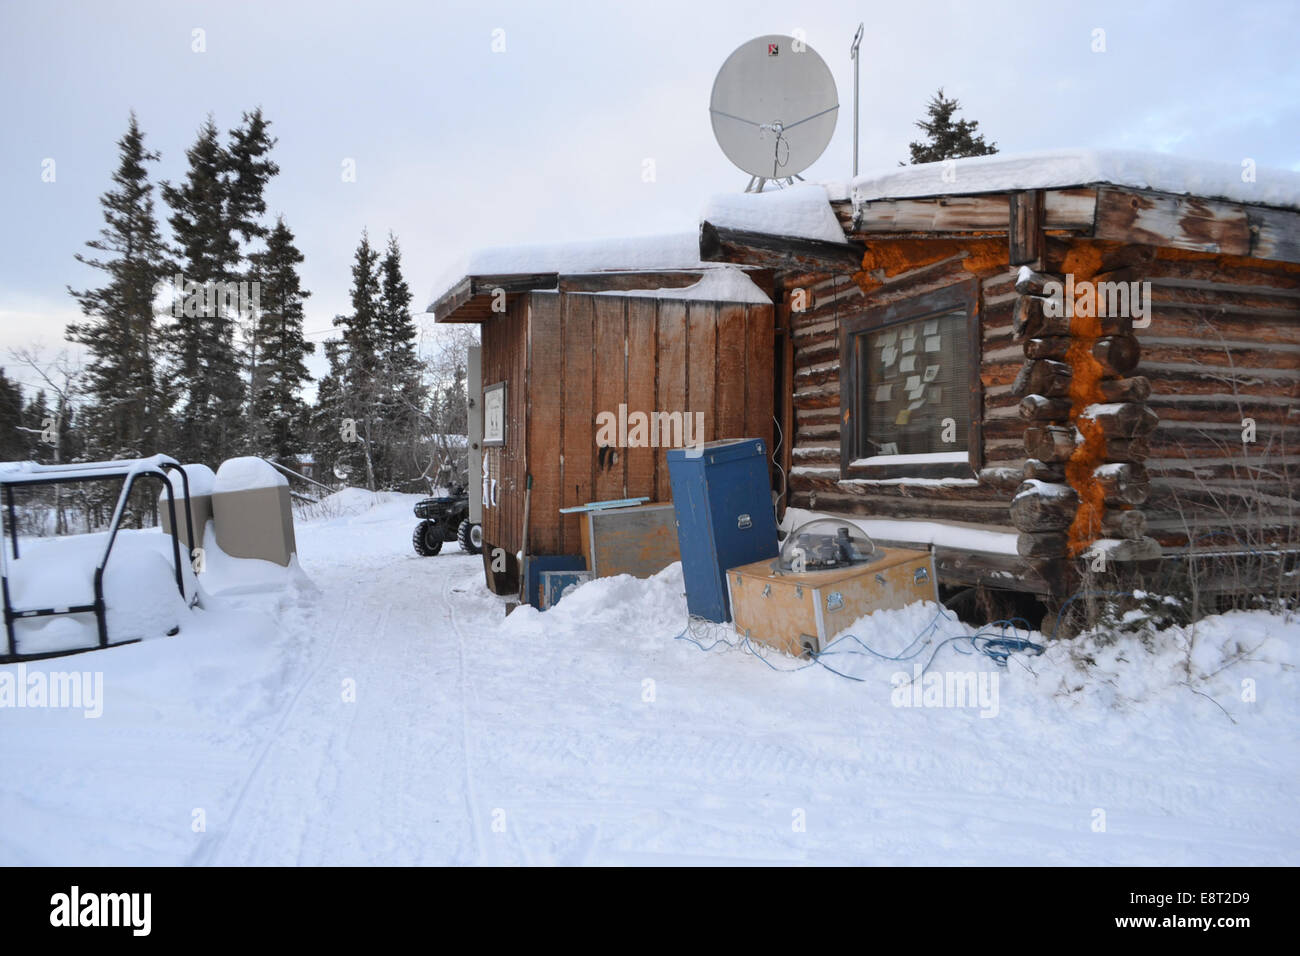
point(702, 362)
point(671, 387)
point(545, 420)
point(609, 369)
point(731, 372)
point(576, 473)
point(642, 366)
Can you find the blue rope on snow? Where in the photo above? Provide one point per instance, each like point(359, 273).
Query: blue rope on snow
point(996, 648)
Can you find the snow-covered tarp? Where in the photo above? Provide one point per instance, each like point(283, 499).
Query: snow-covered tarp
point(1238, 181)
point(801, 212)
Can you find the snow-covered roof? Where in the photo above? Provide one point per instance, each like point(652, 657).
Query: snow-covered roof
point(716, 285)
point(801, 212)
point(656, 253)
point(1237, 181)
point(677, 250)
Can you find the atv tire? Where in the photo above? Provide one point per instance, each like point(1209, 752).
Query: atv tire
point(470, 537)
point(427, 538)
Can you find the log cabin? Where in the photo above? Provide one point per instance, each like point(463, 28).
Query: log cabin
point(1042, 366)
point(1041, 433)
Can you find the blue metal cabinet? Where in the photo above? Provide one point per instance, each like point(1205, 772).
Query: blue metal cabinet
point(723, 504)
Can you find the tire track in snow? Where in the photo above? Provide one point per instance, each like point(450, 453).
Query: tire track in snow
point(471, 800)
point(208, 856)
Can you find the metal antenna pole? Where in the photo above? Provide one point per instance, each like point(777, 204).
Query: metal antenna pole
point(853, 55)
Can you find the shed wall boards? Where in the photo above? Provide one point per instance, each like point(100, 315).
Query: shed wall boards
point(474, 388)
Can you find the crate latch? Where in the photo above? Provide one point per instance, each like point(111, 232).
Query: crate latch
point(921, 574)
point(834, 601)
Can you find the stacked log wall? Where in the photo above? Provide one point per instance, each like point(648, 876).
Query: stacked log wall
point(1086, 420)
point(1196, 415)
point(1222, 354)
point(981, 499)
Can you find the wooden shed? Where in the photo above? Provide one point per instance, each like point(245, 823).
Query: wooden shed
point(943, 396)
point(621, 328)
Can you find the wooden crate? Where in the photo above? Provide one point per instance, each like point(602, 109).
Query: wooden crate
point(795, 612)
point(640, 540)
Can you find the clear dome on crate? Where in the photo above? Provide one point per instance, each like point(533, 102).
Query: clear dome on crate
point(825, 543)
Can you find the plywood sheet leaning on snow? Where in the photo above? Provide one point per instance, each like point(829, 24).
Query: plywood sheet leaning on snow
point(639, 541)
point(251, 511)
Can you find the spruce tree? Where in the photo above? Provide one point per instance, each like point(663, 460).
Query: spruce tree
point(400, 393)
point(13, 441)
point(207, 367)
point(278, 412)
point(127, 403)
point(359, 356)
point(35, 416)
point(248, 171)
point(327, 414)
point(948, 139)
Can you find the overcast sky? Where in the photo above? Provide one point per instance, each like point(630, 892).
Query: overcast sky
point(457, 146)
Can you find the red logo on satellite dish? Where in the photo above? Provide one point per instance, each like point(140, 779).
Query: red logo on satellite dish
point(773, 49)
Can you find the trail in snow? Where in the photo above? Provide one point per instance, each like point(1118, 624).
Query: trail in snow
point(588, 735)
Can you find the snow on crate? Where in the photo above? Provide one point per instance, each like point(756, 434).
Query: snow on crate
point(201, 479)
point(1061, 168)
point(801, 212)
point(246, 474)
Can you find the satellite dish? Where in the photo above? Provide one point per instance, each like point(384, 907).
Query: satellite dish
point(773, 107)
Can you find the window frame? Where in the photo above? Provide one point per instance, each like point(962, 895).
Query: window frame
point(963, 296)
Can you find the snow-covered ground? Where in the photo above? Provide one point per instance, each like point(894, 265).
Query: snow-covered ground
point(386, 712)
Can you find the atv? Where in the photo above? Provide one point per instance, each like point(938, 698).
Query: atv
point(445, 519)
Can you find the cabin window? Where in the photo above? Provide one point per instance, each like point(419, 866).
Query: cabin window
point(911, 405)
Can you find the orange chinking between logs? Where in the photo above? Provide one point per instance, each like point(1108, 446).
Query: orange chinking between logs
point(1085, 390)
point(887, 260)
